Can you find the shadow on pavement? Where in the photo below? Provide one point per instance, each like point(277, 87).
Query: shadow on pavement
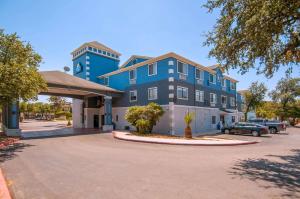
point(11, 152)
point(283, 174)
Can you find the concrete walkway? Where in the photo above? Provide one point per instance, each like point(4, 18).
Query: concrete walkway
point(203, 142)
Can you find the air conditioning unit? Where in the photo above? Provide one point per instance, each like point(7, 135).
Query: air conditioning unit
point(132, 81)
point(200, 81)
point(182, 76)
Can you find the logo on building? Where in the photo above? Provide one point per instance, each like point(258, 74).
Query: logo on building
point(78, 68)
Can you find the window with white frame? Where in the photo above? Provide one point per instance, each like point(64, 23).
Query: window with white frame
point(106, 81)
point(232, 85)
point(199, 96)
point(152, 69)
point(133, 96)
point(182, 93)
point(182, 68)
point(213, 98)
point(212, 78)
point(152, 93)
point(224, 100)
point(132, 74)
point(232, 101)
point(223, 82)
point(199, 74)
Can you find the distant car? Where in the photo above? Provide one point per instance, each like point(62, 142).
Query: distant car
point(246, 128)
point(273, 125)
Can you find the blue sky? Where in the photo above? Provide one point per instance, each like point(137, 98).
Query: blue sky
point(148, 28)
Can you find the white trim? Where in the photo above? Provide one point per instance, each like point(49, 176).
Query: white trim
point(135, 74)
point(154, 68)
point(214, 82)
point(215, 98)
point(200, 99)
point(195, 107)
point(187, 90)
point(171, 95)
point(135, 91)
point(156, 93)
point(201, 72)
point(187, 71)
point(171, 87)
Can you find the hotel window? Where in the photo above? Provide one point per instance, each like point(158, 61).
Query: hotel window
point(106, 81)
point(152, 69)
point(113, 55)
point(232, 101)
point(132, 74)
point(182, 93)
point(90, 48)
point(213, 119)
point(232, 85)
point(212, 78)
point(94, 49)
point(99, 51)
point(108, 54)
point(182, 68)
point(223, 82)
point(152, 93)
point(224, 99)
point(199, 96)
point(213, 98)
point(133, 96)
point(199, 74)
point(104, 52)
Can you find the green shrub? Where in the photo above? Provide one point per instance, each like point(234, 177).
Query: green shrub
point(143, 126)
point(150, 113)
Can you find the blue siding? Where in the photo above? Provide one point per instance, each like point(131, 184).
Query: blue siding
point(81, 59)
point(135, 61)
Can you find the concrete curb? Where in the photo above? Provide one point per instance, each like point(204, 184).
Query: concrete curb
point(4, 193)
point(166, 141)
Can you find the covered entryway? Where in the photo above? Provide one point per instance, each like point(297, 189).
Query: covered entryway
point(90, 101)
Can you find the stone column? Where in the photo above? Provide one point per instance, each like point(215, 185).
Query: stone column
point(107, 114)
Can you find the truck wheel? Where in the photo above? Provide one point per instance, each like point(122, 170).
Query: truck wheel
point(255, 133)
point(273, 130)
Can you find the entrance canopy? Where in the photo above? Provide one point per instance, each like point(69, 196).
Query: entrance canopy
point(65, 85)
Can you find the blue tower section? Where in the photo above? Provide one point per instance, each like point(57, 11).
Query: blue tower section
point(94, 59)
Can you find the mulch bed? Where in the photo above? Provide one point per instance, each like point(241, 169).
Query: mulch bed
point(6, 141)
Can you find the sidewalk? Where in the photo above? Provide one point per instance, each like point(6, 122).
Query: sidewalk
point(205, 142)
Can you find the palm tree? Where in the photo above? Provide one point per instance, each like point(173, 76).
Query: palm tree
point(188, 118)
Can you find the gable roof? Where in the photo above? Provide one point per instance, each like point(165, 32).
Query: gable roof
point(167, 55)
point(134, 57)
point(98, 45)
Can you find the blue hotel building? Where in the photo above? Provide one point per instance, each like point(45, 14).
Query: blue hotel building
point(178, 84)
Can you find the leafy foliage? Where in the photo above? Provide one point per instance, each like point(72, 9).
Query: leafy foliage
point(253, 97)
point(247, 31)
point(144, 118)
point(188, 118)
point(267, 110)
point(18, 70)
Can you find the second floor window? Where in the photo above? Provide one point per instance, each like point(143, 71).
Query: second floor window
point(132, 74)
point(133, 96)
point(232, 101)
point(232, 85)
point(199, 96)
point(152, 69)
point(213, 98)
point(223, 82)
point(182, 68)
point(182, 93)
point(152, 93)
point(212, 78)
point(199, 74)
point(224, 99)
point(106, 81)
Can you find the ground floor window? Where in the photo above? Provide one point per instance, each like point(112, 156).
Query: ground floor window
point(199, 96)
point(213, 119)
point(133, 96)
point(182, 93)
point(152, 93)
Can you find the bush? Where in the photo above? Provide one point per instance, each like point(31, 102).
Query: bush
point(137, 115)
point(143, 126)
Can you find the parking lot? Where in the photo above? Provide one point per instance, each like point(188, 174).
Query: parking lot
point(98, 166)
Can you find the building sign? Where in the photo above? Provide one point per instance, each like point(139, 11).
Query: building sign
point(78, 68)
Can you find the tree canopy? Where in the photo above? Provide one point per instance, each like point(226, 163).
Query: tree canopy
point(253, 97)
point(18, 70)
point(254, 31)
